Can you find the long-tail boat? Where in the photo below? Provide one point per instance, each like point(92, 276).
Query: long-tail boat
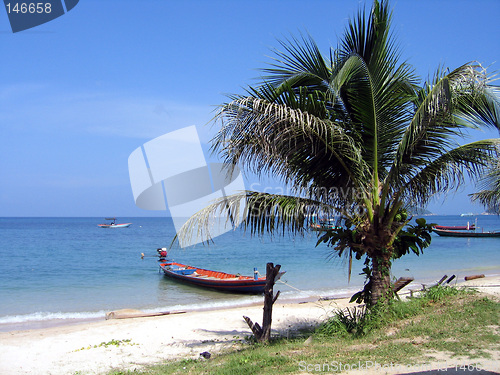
point(455, 227)
point(213, 279)
point(454, 233)
point(324, 225)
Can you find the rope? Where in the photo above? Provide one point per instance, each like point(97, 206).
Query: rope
point(283, 282)
point(291, 286)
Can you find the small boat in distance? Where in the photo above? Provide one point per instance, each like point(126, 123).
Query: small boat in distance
point(113, 224)
point(324, 225)
point(454, 233)
point(220, 281)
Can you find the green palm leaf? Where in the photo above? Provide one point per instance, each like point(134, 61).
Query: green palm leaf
point(302, 149)
point(448, 171)
point(489, 185)
point(258, 212)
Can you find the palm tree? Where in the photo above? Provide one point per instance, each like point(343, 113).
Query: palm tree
point(354, 135)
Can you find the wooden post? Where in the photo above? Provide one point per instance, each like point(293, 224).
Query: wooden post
point(263, 334)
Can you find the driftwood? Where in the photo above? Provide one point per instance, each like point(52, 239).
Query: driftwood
point(130, 313)
point(400, 284)
point(473, 277)
point(263, 334)
point(425, 286)
point(452, 277)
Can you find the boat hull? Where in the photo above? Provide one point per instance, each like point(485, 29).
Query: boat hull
point(212, 279)
point(323, 227)
point(124, 225)
point(453, 233)
point(455, 227)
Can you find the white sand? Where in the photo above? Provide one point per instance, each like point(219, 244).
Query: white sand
point(153, 339)
point(58, 350)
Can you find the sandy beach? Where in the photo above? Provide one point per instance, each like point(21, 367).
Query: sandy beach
point(77, 348)
point(65, 349)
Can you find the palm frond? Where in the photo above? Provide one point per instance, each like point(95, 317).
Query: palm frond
point(301, 64)
point(448, 171)
point(302, 149)
point(256, 212)
point(453, 102)
point(489, 195)
point(380, 99)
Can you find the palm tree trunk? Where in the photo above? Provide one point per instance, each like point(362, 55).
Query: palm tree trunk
point(380, 278)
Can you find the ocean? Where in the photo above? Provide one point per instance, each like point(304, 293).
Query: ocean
point(65, 270)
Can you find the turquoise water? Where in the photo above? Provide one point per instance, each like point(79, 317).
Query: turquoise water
point(62, 269)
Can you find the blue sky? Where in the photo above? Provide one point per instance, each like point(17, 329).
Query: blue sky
point(80, 93)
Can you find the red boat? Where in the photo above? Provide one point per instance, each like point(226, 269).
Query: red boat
point(455, 227)
point(213, 279)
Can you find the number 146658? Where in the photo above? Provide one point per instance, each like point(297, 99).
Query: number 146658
point(29, 8)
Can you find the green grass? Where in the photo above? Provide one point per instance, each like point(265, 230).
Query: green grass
point(454, 321)
point(113, 342)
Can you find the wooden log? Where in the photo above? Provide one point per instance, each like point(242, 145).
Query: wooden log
point(442, 280)
point(472, 277)
point(255, 327)
point(129, 313)
point(452, 277)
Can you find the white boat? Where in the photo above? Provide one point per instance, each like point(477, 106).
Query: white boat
point(113, 224)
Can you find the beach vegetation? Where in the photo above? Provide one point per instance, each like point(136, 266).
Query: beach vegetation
point(355, 135)
point(360, 321)
point(105, 344)
point(446, 323)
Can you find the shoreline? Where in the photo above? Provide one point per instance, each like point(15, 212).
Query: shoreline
point(80, 347)
point(35, 324)
point(310, 296)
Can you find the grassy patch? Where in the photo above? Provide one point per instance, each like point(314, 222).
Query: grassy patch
point(109, 343)
point(445, 319)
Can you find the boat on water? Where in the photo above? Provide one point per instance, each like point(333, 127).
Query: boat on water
point(220, 281)
point(324, 225)
point(113, 224)
point(454, 233)
point(455, 227)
